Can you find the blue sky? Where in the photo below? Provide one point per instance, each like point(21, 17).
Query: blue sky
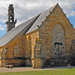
point(25, 9)
point(3, 28)
point(72, 20)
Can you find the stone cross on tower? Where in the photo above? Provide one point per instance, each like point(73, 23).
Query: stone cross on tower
point(10, 23)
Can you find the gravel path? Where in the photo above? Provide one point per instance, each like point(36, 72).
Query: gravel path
point(20, 69)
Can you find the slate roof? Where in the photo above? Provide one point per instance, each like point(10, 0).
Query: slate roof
point(25, 27)
point(15, 31)
point(40, 19)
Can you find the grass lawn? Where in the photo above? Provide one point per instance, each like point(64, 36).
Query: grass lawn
point(70, 71)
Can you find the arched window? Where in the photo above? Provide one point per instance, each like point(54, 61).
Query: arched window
point(17, 50)
point(58, 40)
point(3, 53)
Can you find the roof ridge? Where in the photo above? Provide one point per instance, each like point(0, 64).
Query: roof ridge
point(40, 19)
point(37, 15)
point(33, 22)
point(49, 8)
point(25, 21)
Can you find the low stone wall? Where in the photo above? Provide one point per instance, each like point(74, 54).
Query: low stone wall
point(58, 62)
point(15, 62)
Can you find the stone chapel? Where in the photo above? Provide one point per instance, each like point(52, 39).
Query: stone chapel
point(46, 40)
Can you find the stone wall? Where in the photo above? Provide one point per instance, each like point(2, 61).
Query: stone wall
point(62, 34)
point(20, 50)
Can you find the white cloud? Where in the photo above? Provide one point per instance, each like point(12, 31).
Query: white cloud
point(2, 27)
point(72, 13)
point(24, 9)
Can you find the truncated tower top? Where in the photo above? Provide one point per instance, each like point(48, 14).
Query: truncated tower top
point(10, 23)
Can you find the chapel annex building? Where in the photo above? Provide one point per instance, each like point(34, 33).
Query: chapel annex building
point(46, 40)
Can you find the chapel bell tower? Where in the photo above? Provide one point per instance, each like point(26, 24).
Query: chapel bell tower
point(10, 23)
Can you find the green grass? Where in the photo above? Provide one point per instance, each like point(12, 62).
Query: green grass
point(70, 71)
